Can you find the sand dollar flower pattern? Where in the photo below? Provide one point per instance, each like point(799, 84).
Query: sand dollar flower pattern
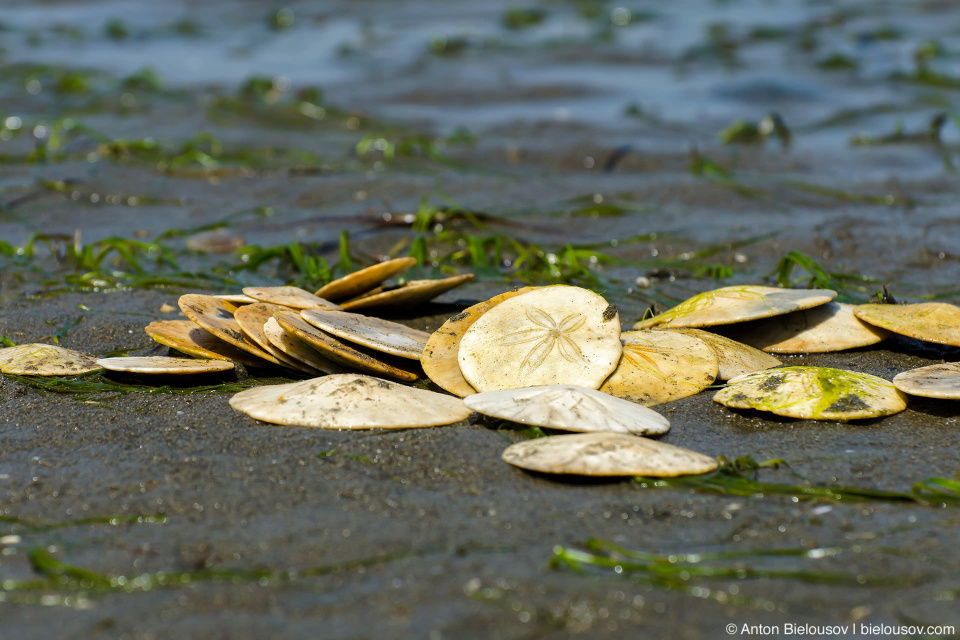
point(553, 335)
point(548, 335)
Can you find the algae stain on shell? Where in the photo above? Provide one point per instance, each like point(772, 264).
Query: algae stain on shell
point(816, 393)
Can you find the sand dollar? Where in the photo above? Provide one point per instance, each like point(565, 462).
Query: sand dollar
point(347, 355)
point(929, 321)
point(553, 335)
point(293, 297)
point(570, 408)
point(737, 304)
point(733, 358)
point(297, 349)
point(410, 293)
point(659, 366)
point(828, 327)
point(162, 365)
point(439, 358)
point(45, 360)
point(936, 381)
point(188, 337)
point(216, 316)
point(349, 401)
point(374, 333)
point(606, 454)
point(252, 318)
point(358, 282)
point(813, 393)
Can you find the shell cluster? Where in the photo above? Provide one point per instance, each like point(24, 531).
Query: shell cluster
point(552, 357)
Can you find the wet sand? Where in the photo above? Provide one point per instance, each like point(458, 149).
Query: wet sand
point(294, 532)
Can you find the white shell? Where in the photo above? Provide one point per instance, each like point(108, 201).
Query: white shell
point(553, 335)
point(163, 365)
point(376, 333)
point(570, 408)
point(349, 401)
point(606, 454)
point(935, 381)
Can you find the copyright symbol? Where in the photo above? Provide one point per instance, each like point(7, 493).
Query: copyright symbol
point(731, 629)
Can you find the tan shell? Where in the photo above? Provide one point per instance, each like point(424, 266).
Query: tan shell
point(935, 381)
point(45, 360)
point(163, 365)
point(251, 319)
point(293, 297)
point(346, 355)
point(570, 408)
point(813, 393)
point(187, 337)
point(553, 335)
point(358, 282)
point(349, 401)
point(410, 293)
point(606, 454)
point(297, 349)
point(829, 327)
point(217, 317)
point(374, 333)
point(733, 358)
point(439, 359)
point(737, 304)
point(930, 321)
point(660, 366)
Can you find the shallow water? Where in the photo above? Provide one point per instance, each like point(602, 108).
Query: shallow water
point(584, 134)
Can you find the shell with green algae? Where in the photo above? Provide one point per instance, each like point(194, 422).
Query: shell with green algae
point(738, 303)
point(813, 393)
